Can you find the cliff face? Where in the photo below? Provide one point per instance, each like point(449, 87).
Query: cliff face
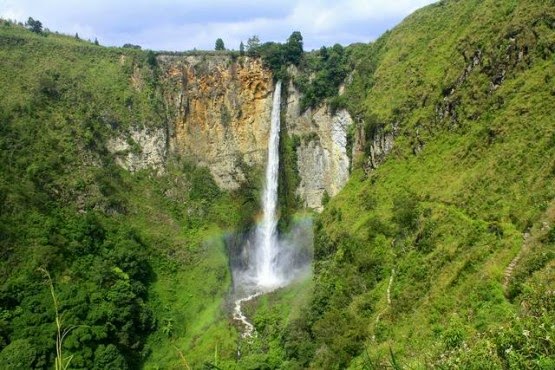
point(219, 112)
point(219, 117)
point(140, 149)
point(322, 157)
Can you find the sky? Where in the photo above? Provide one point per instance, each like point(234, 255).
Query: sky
point(177, 25)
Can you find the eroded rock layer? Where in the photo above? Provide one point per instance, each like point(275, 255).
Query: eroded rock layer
point(219, 112)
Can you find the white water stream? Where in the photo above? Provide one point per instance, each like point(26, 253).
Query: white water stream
point(266, 261)
point(265, 274)
point(267, 246)
point(240, 316)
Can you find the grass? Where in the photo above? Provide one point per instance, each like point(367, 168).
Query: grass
point(484, 176)
point(198, 324)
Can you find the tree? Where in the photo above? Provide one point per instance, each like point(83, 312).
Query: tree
point(273, 55)
point(34, 25)
point(253, 43)
point(324, 53)
point(131, 46)
point(19, 354)
point(151, 59)
point(220, 44)
point(108, 357)
point(294, 48)
point(77, 36)
point(95, 41)
point(241, 49)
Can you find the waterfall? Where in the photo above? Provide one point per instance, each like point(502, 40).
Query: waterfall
point(267, 246)
point(264, 261)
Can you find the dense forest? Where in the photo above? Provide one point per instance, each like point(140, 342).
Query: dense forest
point(439, 254)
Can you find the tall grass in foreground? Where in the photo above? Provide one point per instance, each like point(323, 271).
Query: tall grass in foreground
point(60, 363)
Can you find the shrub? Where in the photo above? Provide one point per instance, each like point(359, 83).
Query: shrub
point(406, 212)
point(325, 198)
point(18, 355)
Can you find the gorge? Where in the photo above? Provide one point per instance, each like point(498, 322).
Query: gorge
point(386, 205)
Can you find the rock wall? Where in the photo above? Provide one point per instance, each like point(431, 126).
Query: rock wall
point(219, 112)
point(322, 158)
point(370, 149)
point(140, 149)
point(218, 115)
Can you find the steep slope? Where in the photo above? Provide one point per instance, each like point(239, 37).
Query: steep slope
point(131, 253)
point(455, 148)
point(219, 111)
point(100, 188)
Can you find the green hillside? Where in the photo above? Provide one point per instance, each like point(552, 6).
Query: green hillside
point(411, 257)
point(129, 254)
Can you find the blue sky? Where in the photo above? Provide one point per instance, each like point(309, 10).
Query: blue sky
point(186, 24)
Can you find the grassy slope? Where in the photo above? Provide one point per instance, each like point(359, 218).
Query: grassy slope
point(449, 220)
point(61, 99)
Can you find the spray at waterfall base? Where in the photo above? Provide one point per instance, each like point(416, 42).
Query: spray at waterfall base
point(291, 262)
point(264, 260)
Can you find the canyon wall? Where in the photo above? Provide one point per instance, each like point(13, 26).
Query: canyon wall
point(217, 110)
point(322, 158)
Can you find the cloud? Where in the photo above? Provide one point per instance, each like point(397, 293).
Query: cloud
point(188, 24)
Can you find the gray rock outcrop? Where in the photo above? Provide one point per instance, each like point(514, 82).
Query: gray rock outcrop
point(322, 157)
point(140, 148)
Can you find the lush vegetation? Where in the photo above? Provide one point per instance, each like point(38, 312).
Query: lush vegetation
point(321, 76)
point(130, 255)
point(277, 56)
point(411, 258)
point(318, 75)
point(442, 256)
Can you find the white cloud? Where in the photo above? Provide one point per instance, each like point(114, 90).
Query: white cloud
point(187, 24)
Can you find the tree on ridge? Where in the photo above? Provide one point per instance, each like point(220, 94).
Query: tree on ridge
point(34, 25)
point(220, 44)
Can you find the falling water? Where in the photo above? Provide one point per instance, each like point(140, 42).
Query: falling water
point(266, 262)
point(266, 233)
